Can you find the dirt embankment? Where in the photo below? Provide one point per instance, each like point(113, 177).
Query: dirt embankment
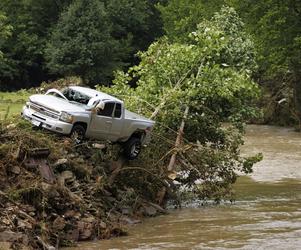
point(54, 193)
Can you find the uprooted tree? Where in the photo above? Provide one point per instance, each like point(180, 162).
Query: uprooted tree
point(200, 93)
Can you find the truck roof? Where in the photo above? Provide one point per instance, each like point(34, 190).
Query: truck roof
point(94, 93)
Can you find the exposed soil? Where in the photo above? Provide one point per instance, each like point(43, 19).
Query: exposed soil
point(55, 193)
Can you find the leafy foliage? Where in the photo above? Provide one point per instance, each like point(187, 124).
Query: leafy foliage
point(136, 20)
point(23, 50)
point(5, 33)
point(5, 29)
point(212, 79)
point(27, 53)
point(81, 43)
point(276, 28)
point(180, 17)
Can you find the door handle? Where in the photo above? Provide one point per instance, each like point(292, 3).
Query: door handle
point(108, 122)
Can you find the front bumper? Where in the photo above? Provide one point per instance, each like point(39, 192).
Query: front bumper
point(40, 120)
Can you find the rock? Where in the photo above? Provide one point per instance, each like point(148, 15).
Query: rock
point(172, 175)
point(85, 230)
point(45, 186)
point(61, 181)
point(98, 145)
point(77, 215)
point(90, 219)
point(72, 234)
point(59, 223)
point(67, 142)
point(102, 225)
point(80, 160)
point(4, 245)
point(150, 210)
point(45, 245)
point(29, 208)
point(26, 217)
point(69, 214)
point(32, 213)
point(9, 236)
point(46, 171)
point(67, 175)
point(71, 156)
point(157, 207)
point(15, 170)
point(6, 221)
point(72, 214)
point(126, 211)
point(128, 220)
point(11, 126)
point(75, 198)
point(60, 162)
point(53, 193)
point(24, 224)
point(30, 164)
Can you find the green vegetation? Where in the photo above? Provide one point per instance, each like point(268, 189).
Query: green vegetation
point(181, 17)
point(276, 28)
point(45, 40)
point(11, 103)
point(209, 77)
point(92, 41)
point(5, 31)
point(83, 45)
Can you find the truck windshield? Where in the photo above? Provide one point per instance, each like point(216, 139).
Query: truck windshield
point(75, 96)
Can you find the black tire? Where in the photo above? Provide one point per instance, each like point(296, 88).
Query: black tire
point(78, 133)
point(132, 148)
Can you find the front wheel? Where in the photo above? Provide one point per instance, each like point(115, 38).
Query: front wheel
point(132, 148)
point(78, 133)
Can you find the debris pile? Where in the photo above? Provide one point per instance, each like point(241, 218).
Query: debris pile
point(54, 193)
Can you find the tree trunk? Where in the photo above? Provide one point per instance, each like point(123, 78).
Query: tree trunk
point(178, 141)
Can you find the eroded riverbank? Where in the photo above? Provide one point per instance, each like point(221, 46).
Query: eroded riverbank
point(266, 213)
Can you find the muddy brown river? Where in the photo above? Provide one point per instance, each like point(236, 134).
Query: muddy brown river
point(266, 214)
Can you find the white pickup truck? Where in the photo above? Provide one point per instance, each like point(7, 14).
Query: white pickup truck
point(86, 113)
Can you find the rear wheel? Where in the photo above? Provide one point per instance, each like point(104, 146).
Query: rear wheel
point(132, 148)
point(78, 133)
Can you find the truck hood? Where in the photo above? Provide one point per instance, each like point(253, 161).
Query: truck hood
point(56, 103)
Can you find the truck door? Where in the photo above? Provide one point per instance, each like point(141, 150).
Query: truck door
point(102, 122)
point(117, 122)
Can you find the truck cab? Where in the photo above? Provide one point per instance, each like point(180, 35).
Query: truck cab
point(86, 113)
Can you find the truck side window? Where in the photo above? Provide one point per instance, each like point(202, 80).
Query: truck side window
point(117, 112)
point(108, 110)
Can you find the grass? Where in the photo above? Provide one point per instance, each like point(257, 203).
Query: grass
point(11, 103)
point(19, 96)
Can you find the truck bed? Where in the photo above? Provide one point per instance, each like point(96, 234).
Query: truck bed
point(133, 116)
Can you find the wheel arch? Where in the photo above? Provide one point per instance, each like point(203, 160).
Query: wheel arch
point(83, 124)
point(140, 134)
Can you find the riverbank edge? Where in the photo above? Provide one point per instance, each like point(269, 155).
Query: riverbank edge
point(54, 193)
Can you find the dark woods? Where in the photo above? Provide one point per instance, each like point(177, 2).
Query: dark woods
point(42, 40)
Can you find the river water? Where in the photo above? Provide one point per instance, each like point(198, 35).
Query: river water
point(266, 214)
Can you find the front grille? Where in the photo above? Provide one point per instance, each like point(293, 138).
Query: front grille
point(44, 111)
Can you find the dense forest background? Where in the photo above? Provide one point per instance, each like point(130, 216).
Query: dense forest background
point(43, 40)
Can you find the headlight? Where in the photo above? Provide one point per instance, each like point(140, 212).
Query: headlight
point(65, 117)
point(27, 104)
